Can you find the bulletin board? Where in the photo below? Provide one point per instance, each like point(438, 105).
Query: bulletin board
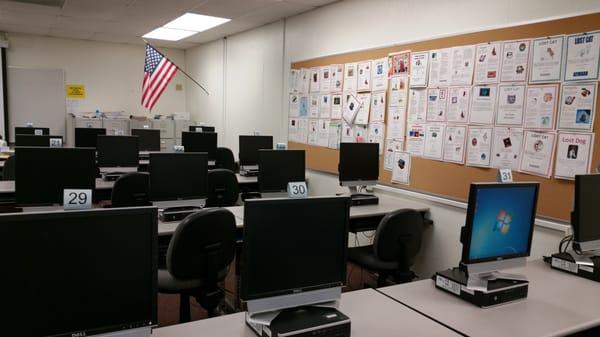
point(452, 180)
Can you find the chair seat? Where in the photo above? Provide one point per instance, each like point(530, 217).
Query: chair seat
point(364, 256)
point(168, 284)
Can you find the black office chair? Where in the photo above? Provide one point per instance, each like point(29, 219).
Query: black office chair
point(198, 258)
point(8, 172)
point(131, 189)
point(396, 244)
point(224, 159)
point(223, 188)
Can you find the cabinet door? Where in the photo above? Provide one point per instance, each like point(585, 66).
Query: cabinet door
point(166, 127)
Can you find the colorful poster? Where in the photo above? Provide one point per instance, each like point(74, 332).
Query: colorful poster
point(401, 168)
point(479, 146)
point(336, 106)
point(399, 63)
point(439, 67)
point(577, 106)
point(546, 59)
point(391, 146)
point(415, 139)
point(459, 101)
point(515, 58)
point(434, 141)
point(583, 57)
point(462, 65)
point(573, 154)
point(538, 152)
point(541, 102)
point(325, 106)
point(398, 92)
point(361, 133)
point(454, 144)
point(350, 77)
point(417, 105)
point(483, 104)
point(378, 107)
point(380, 74)
point(511, 100)
point(337, 78)
point(436, 104)
point(419, 66)
point(487, 63)
point(507, 148)
point(364, 76)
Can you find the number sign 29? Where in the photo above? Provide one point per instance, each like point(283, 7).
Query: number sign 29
point(77, 199)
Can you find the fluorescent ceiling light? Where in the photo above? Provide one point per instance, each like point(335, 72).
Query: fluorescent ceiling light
point(162, 33)
point(196, 22)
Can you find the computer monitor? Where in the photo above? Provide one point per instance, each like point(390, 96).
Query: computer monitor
point(585, 218)
point(201, 128)
point(200, 142)
point(33, 140)
point(358, 164)
point(79, 273)
point(249, 146)
point(30, 130)
point(499, 226)
point(276, 168)
point(293, 247)
point(42, 173)
point(87, 137)
point(149, 139)
point(178, 176)
point(118, 151)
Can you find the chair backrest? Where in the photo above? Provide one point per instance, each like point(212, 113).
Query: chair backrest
point(225, 159)
point(398, 237)
point(8, 172)
point(203, 244)
point(131, 189)
point(223, 189)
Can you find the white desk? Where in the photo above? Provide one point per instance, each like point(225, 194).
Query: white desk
point(167, 228)
point(8, 186)
point(371, 315)
point(558, 304)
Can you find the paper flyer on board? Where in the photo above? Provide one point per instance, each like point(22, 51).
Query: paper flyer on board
point(454, 144)
point(391, 146)
point(399, 63)
point(377, 134)
point(325, 106)
point(573, 154)
point(294, 81)
point(380, 74)
point(304, 81)
point(541, 102)
point(462, 65)
point(515, 58)
point(483, 104)
point(294, 105)
point(577, 106)
point(511, 100)
point(396, 122)
point(401, 168)
point(419, 69)
point(433, 147)
point(313, 131)
point(546, 59)
point(350, 77)
point(436, 104)
point(336, 106)
point(362, 116)
point(314, 106)
point(538, 153)
point(303, 107)
point(583, 55)
point(364, 76)
point(487, 63)
point(507, 147)
point(479, 146)
point(350, 108)
point(361, 133)
point(415, 139)
point(337, 78)
point(323, 133)
point(417, 105)
point(378, 106)
point(293, 130)
point(398, 92)
point(439, 67)
point(459, 102)
point(325, 79)
point(347, 133)
point(315, 85)
point(302, 131)
point(335, 134)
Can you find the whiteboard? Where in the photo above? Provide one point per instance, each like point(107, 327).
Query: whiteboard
point(36, 95)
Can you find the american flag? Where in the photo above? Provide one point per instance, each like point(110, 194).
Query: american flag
point(158, 72)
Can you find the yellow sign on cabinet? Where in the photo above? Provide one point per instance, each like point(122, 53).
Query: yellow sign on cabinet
point(75, 90)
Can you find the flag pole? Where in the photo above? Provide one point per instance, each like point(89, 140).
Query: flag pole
point(179, 68)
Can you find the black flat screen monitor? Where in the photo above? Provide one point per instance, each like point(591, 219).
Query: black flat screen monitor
point(200, 142)
point(500, 221)
point(358, 164)
point(33, 140)
point(87, 137)
point(249, 146)
point(42, 173)
point(89, 272)
point(118, 151)
point(585, 219)
point(149, 139)
point(276, 168)
point(294, 245)
point(201, 128)
point(31, 130)
point(175, 176)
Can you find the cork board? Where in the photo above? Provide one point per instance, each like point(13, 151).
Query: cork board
point(453, 180)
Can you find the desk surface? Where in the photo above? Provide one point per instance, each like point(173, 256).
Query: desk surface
point(558, 304)
point(371, 314)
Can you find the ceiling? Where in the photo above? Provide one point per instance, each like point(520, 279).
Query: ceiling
point(125, 21)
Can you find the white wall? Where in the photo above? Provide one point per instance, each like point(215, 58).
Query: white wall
point(111, 72)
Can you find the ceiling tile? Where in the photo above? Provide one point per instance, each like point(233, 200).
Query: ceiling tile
point(27, 29)
point(95, 9)
point(232, 9)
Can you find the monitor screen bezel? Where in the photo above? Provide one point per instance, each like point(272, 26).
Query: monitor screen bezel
point(174, 155)
point(585, 244)
point(146, 133)
point(243, 139)
point(191, 134)
point(350, 181)
point(98, 132)
point(468, 229)
point(134, 163)
point(262, 173)
point(45, 130)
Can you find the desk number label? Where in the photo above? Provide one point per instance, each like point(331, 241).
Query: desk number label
point(445, 283)
point(505, 176)
point(55, 142)
point(77, 199)
point(297, 190)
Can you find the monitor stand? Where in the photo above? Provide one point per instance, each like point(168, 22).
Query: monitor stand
point(586, 265)
point(113, 173)
point(362, 199)
point(176, 210)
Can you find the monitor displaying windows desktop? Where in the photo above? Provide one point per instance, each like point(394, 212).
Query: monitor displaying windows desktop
point(500, 221)
point(86, 273)
point(118, 151)
point(585, 218)
point(30, 130)
point(276, 168)
point(35, 140)
point(200, 142)
point(178, 176)
point(305, 242)
point(73, 168)
point(149, 139)
point(249, 146)
point(87, 137)
point(358, 164)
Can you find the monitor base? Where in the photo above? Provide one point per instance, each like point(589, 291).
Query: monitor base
point(483, 290)
point(307, 321)
point(176, 213)
point(362, 199)
point(586, 266)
